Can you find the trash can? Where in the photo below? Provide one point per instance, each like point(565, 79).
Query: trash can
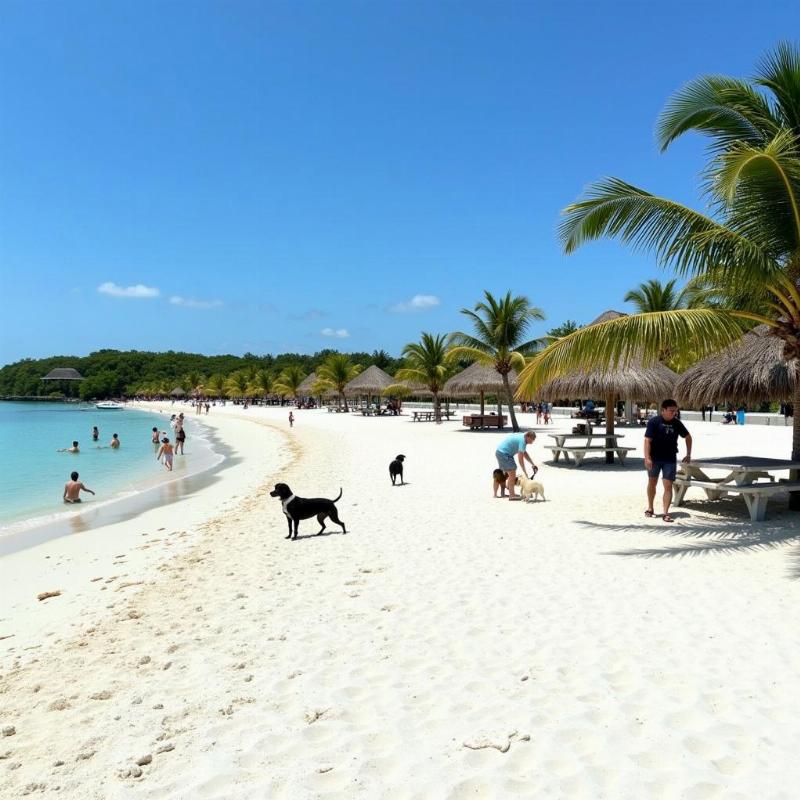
point(740, 417)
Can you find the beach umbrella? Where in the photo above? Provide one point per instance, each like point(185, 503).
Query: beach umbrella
point(477, 379)
point(306, 388)
point(632, 381)
point(372, 380)
point(177, 392)
point(751, 371)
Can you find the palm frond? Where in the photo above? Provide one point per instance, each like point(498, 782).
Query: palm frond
point(759, 184)
point(779, 71)
point(617, 342)
point(726, 109)
point(690, 242)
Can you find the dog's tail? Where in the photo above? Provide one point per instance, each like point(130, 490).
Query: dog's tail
point(340, 494)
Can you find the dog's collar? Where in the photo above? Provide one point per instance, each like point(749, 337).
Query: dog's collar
point(286, 502)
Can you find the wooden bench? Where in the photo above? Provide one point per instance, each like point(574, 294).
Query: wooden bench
point(474, 421)
point(579, 452)
point(756, 495)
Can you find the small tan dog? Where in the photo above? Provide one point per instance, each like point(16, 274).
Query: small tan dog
point(529, 488)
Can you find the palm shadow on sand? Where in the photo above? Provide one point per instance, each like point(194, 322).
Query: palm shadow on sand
point(717, 537)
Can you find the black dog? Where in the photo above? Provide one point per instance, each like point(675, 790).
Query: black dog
point(396, 469)
point(297, 508)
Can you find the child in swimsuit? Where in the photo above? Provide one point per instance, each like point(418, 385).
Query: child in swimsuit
point(154, 438)
point(167, 451)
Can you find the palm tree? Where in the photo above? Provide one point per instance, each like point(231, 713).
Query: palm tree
point(192, 380)
point(427, 363)
point(380, 358)
point(288, 382)
point(262, 383)
point(216, 385)
point(335, 373)
point(748, 246)
point(653, 295)
point(501, 327)
point(237, 384)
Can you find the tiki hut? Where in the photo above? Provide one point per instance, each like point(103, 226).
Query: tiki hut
point(177, 392)
point(372, 380)
point(477, 379)
point(306, 388)
point(63, 374)
point(633, 381)
point(751, 371)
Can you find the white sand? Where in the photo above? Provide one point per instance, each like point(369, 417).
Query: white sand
point(598, 654)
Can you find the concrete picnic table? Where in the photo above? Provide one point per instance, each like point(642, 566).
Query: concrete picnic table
point(749, 476)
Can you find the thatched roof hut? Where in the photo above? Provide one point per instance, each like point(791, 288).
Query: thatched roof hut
point(177, 392)
point(751, 370)
point(306, 388)
point(372, 380)
point(63, 374)
point(633, 381)
point(476, 379)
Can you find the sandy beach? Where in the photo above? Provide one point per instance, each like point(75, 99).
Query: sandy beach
point(451, 645)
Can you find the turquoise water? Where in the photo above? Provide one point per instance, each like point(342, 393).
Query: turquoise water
point(33, 473)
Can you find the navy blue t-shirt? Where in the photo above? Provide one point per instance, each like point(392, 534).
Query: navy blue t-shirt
point(663, 437)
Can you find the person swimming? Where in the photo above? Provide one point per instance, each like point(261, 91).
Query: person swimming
point(95, 433)
point(73, 488)
point(115, 442)
point(73, 449)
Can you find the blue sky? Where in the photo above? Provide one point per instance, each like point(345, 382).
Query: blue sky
point(289, 176)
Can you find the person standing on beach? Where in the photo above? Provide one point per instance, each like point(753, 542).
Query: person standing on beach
point(73, 488)
point(291, 420)
point(167, 451)
point(180, 434)
point(661, 454)
point(115, 442)
point(511, 446)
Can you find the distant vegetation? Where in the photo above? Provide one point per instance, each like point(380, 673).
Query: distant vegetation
point(114, 373)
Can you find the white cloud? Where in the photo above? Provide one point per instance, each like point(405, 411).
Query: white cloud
point(419, 302)
point(138, 291)
point(339, 333)
point(188, 302)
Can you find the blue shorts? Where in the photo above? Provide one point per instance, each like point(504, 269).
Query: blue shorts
point(505, 461)
point(668, 470)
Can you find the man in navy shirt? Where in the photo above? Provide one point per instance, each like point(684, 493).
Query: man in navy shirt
point(661, 453)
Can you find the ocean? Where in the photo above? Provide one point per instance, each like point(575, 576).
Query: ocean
point(33, 473)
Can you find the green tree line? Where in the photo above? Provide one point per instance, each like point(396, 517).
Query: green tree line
point(115, 373)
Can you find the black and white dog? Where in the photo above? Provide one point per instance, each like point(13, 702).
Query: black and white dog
point(297, 508)
point(396, 470)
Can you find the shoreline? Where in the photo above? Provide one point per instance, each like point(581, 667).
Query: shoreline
point(148, 490)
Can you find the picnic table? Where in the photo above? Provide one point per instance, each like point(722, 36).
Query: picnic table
point(579, 451)
point(429, 416)
point(473, 421)
point(749, 476)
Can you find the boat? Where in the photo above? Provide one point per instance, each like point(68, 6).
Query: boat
point(109, 405)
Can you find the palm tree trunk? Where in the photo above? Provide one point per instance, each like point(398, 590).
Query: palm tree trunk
point(436, 410)
point(482, 399)
point(344, 396)
point(611, 408)
point(510, 400)
point(794, 497)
